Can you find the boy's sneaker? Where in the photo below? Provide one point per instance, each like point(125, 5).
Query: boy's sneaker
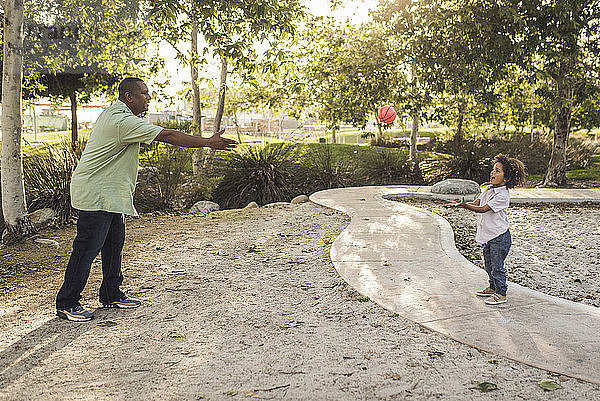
point(124, 303)
point(487, 292)
point(496, 299)
point(75, 314)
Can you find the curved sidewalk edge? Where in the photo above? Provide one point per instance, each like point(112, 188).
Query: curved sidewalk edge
point(404, 259)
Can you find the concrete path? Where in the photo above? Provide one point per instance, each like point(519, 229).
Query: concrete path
point(404, 259)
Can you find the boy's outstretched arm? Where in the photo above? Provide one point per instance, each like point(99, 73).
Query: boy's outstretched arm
point(474, 206)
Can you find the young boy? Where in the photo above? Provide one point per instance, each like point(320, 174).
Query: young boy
point(492, 223)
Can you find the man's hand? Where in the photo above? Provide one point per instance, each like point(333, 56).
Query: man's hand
point(218, 142)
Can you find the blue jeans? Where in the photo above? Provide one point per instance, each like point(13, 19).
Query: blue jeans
point(494, 253)
point(97, 231)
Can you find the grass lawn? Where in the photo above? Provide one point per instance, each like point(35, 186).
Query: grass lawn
point(590, 174)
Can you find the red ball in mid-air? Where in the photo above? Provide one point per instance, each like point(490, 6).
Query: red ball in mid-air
point(387, 114)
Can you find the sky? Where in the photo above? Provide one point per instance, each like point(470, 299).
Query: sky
point(355, 10)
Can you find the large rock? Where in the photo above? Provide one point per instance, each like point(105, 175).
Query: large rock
point(455, 186)
point(41, 217)
point(204, 207)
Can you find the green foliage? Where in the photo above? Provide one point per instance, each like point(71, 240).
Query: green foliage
point(48, 178)
point(470, 160)
point(165, 182)
point(181, 125)
point(383, 167)
point(263, 174)
point(348, 71)
point(325, 170)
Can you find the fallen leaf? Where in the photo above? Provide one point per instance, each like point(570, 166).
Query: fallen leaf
point(107, 323)
point(287, 312)
point(394, 376)
point(549, 385)
point(485, 387)
point(174, 334)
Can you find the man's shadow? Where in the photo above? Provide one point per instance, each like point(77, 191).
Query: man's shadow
point(34, 347)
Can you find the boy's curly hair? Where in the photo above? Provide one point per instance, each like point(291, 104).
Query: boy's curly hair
point(514, 170)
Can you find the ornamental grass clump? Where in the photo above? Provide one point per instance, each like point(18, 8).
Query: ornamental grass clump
point(324, 171)
point(259, 173)
point(48, 177)
point(382, 166)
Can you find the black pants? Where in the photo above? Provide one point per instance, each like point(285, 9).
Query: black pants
point(97, 231)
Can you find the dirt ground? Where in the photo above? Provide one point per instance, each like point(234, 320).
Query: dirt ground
point(236, 305)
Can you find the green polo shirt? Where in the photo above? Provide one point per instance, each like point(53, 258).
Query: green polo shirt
point(107, 171)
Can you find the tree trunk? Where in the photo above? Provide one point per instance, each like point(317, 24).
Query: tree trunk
point(378, 133)
point(333, 139)
point(73, 97)
point(557, 167)
point(14, 208)
point(414, 133)
point(532, 109)
point(210, 155)
point(198, 154)
point(458, 136)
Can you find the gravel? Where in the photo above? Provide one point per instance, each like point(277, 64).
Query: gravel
point(554, 246)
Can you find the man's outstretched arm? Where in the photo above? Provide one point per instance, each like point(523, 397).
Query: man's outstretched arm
point(178, 138)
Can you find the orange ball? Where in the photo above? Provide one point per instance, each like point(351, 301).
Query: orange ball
point(387, 114)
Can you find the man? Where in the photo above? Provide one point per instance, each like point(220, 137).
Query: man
point(102, 189)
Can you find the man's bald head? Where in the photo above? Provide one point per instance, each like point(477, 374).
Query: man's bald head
point(134, 93)
point(129, 85)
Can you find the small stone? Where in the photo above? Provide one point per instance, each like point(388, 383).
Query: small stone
point(41, 217)
point(251, 205)
point(204, 207)
point(277, 204)
point(299, 199)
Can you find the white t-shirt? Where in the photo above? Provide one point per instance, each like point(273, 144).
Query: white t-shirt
point(493, 222)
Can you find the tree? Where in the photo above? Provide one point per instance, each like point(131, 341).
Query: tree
point(14, 207)
point(563, 35)
point(76, 49)
point(230, 30)
point(65, 86)
point(459, 49)
point(349, 72)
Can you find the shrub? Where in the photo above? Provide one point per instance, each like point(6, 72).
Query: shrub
point(383, 167)
point(263, 174)
point(579, 154)
point(48, 178)
point(323, 171)
point(163, 183)
point(470, 160)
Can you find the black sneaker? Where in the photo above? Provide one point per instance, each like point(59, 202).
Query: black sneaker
point(124, 303)
point(75, 314)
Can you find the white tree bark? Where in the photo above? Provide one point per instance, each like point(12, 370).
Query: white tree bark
point(14, 209)
point(210, 153)
point(198, 154)
point(414, 133)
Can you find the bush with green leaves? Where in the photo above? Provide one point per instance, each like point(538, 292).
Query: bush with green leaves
point(257, 173)
point(324, 170)
point(381, 166)
point(165, 182)
point(48, 177)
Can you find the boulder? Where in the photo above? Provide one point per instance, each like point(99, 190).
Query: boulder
point(455, 186)
point(204, 207)
point(299, 199)
point(41, 217)
point(251, 205)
